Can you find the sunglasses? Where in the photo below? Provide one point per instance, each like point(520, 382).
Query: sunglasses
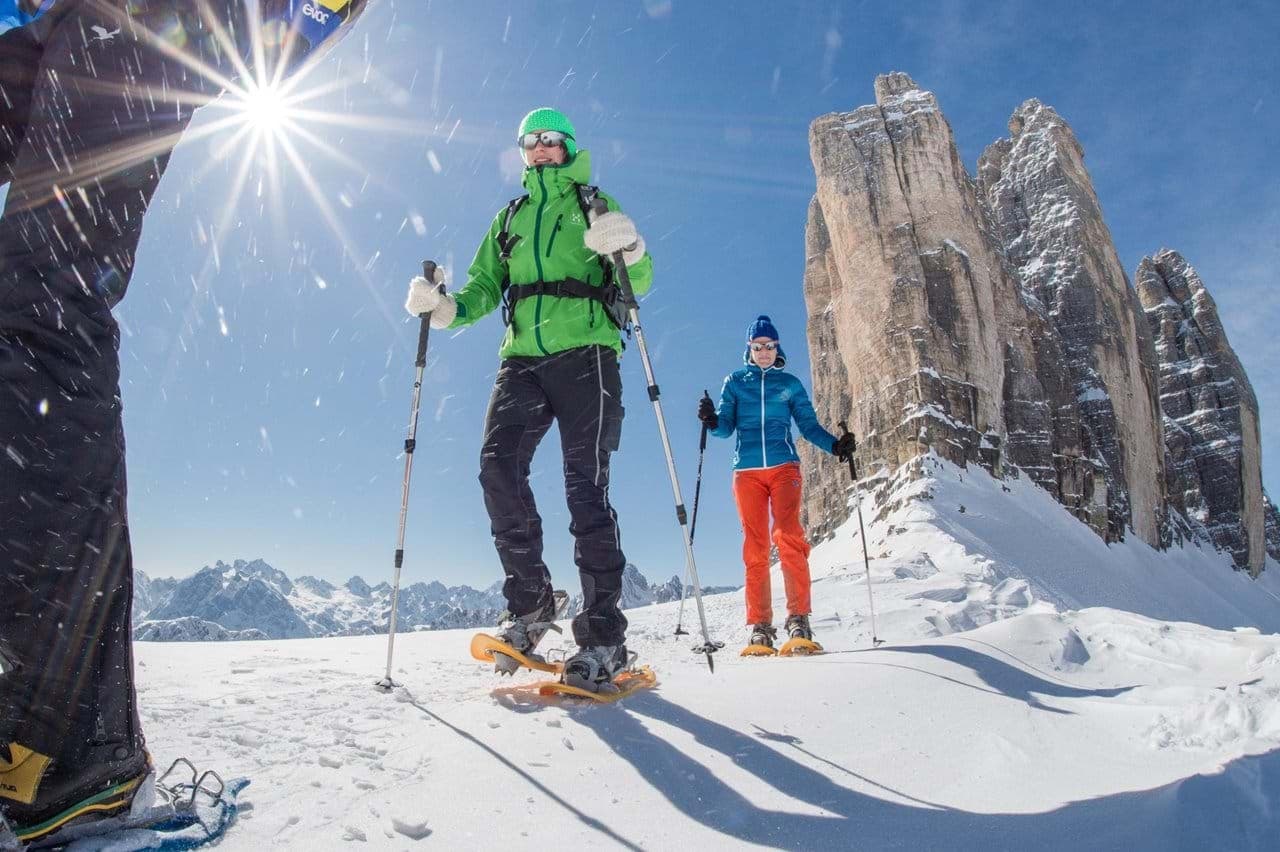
point(547, 138)
point(756, 347)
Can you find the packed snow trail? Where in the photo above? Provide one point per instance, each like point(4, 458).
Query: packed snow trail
point(1095, 728)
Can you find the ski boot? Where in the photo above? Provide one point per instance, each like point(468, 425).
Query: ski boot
point(594, 668)
point(801, 641)
point(37, 803)
point(524, 632)
point(762, 639)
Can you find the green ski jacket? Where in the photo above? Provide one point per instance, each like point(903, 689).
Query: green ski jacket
point(550, 228)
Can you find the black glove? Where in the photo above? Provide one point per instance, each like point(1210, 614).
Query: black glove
point(844, 446)
point(707, 413)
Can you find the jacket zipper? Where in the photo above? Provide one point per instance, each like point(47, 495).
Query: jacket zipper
point(764, 448)
point(537, 260)
point(554, 231)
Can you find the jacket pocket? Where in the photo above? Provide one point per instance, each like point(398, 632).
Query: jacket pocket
point(554, 230)
point(611, 433)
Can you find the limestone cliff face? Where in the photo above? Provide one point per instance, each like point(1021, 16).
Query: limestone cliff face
point(905, 291)
point(990, 321)
point(921, 329)
point(1271, 523)
point(1049, 221)
point(1213, 448)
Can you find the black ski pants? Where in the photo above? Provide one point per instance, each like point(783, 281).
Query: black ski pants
point(581, 391)
point(89, 113)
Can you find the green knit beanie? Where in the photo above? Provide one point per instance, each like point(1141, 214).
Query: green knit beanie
point(546, 118)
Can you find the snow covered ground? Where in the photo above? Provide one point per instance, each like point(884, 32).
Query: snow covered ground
point(1027, 697)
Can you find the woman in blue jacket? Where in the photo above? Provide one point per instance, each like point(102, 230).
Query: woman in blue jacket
point(758, 402)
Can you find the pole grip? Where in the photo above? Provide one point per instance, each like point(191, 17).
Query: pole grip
point(702, 441)
point(429, 271)
point(599, 207)
point(853, 466)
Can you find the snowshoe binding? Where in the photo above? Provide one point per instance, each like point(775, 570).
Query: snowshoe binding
point(763, 635)
point(522, 634)
point(594, 669)
point(797, 627)
point(801, 641)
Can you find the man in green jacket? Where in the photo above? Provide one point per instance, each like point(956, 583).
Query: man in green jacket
point(544, 263)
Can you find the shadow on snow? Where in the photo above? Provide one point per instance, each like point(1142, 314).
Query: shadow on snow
point(1230, 810)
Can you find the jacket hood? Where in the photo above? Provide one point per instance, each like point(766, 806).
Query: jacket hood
point(560, 178)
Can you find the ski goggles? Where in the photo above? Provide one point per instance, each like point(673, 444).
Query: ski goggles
point(546, 138)
point(770, 346)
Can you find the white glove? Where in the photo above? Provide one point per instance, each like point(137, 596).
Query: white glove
point(613, 232)
point(425, 296)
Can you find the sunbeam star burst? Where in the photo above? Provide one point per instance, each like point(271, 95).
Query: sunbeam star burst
point(265, 109)
point(268, 124)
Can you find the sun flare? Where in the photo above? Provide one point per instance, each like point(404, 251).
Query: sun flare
point(264, 108)
point(270, 124)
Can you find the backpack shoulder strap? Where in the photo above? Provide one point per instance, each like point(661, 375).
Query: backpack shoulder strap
point(587, 195)
point(506, 240)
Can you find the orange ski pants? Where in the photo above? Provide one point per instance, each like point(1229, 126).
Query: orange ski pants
point(756, 491)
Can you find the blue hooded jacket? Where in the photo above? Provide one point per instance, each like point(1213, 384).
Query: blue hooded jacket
point(760, 405)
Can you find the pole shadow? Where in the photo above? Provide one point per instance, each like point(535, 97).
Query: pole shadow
point(998, 677)
point(1010, 680)
point(589, 821)
point(1228, 810)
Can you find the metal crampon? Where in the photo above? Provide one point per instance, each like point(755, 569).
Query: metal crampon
point(182, 796)
point(185, 796)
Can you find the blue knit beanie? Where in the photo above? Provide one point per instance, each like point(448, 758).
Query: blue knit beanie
point(763, 327)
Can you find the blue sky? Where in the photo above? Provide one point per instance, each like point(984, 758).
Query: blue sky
point(267, 388)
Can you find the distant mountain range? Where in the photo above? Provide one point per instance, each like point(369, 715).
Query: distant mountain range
point(253, 600)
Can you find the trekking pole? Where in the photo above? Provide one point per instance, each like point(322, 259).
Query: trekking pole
point(862, 534)
point(693, 525)
point(432, 273)
point(599, 207)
